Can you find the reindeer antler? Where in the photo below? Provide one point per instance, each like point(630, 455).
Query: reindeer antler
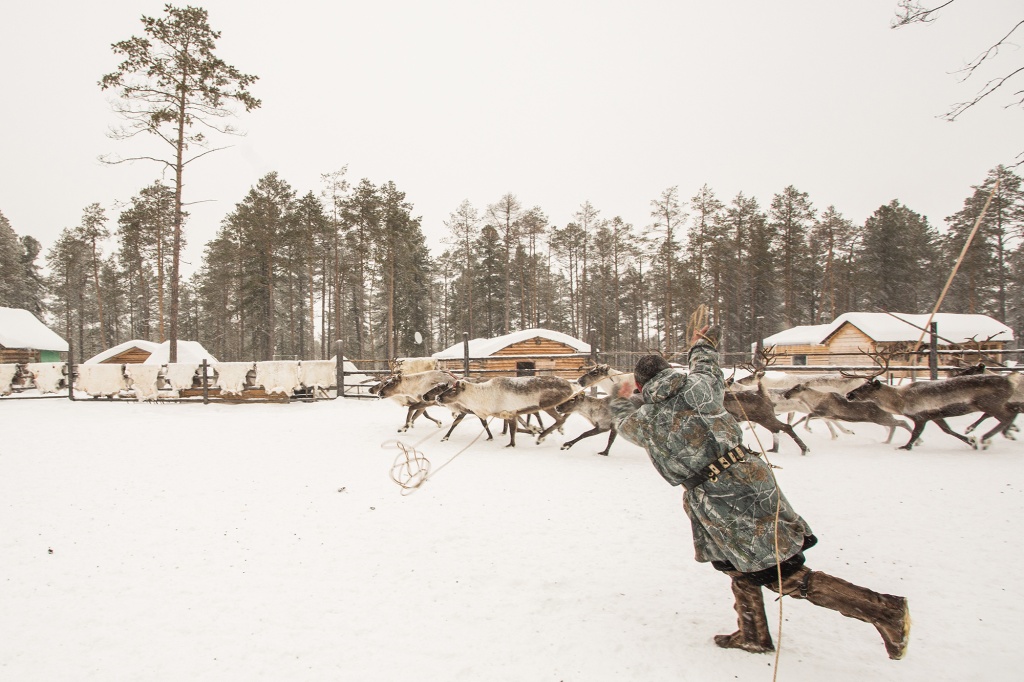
point(880, 358)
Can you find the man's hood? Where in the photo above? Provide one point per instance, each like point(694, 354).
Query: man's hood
point(665, 384)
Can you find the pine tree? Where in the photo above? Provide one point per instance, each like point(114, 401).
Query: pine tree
point(897, 261)
point(173, 86)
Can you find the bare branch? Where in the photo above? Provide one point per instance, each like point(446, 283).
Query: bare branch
point(911, 12)
point(986, 90)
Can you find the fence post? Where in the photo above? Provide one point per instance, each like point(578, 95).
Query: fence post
point(71, 371)
point(465, 354)
point(206, 384)
point(340, 368)
point(933, 352)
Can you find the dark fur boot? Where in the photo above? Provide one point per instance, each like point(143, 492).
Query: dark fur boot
point(889, 614)
point(753, 634)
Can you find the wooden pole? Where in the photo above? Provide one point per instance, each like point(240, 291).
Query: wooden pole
point(963, 252)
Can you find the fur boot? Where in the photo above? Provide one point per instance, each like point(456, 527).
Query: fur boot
point(753, 634)
point(889, 614)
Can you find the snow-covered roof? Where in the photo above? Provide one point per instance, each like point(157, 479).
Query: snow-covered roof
point(885, 327)
point(159, 353)
point(804, 335)
point(21, 329)
point(952, 327)
point(482, 348)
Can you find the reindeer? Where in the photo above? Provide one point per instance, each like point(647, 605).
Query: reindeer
point(594, 410)
point(1015, 403)
point(407, 390)
point(508, 398)
point(926, 401)
point(757, 407)
point(834, 406)
point(620, 384)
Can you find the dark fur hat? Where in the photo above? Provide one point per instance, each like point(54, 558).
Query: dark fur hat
point(647, 367)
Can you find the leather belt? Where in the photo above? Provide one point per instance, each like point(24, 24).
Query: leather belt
point(710, 472)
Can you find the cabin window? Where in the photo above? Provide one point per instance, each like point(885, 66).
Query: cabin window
point(799, 359)
point(525, 369)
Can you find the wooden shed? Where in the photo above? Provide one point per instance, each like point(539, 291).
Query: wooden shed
point(843, 341)
point(24, 338)
point(524, 353)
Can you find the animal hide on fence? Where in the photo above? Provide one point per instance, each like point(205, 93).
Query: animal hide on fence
point(231, 376)
point(279, 376)
point(143, 379)
point(7, 374)
point(180, 374)
point(46, 375)
point(100, 379)
point(318, 373)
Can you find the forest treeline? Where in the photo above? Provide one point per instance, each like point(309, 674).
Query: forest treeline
point(289, 273)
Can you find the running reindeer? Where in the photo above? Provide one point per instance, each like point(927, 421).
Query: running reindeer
point(926, 401)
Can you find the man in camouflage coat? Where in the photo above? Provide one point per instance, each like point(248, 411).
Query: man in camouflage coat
point(731, 499)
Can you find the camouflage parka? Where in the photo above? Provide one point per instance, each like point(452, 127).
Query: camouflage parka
point(683, 425)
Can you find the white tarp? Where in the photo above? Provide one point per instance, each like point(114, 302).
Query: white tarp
point(143, 379)
point(46, 375)
point(318, 373)
point(278, 376)
point(7, 374)
point(180, 374)
point(100, 379)
point(231, 376)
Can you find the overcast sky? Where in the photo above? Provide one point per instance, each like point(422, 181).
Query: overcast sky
point(556, 102)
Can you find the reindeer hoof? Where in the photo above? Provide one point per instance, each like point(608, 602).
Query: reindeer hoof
point(565, 446)
point(603, 453)
point(446, 438)
point(985, 444)
point(973, 442)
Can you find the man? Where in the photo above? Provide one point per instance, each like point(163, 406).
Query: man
point(731, 499)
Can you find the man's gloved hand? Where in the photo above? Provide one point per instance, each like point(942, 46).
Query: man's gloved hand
point(707, 334)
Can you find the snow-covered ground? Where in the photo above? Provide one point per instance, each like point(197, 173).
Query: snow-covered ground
point(267, 541)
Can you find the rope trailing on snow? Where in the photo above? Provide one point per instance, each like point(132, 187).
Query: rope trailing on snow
point(411, 468)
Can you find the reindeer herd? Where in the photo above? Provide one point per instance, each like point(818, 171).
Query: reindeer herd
point(767, 399)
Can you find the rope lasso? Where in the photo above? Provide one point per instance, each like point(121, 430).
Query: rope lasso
point(411, 468)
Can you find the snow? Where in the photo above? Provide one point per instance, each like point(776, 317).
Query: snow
point(21, 329)
point(97, 380)
point(160, 353)
point(266, 541)
point(482, 348)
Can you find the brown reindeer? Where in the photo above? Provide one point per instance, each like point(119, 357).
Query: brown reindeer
point(926, 401)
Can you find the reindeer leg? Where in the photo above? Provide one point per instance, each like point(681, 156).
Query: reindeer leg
point(436, 421)
point(1004, 424)
point(586, 434)
point(775, 440)
point(455, 423)
point(512, 426)
point(839, 425)
point(611, 439)
point(410, 417)
point(918, 428)
point(946, 427)
point(792, 434)
point(977, 423)
point(484, 422)
point(559, 420)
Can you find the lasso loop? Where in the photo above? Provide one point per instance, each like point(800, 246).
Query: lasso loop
point(411, 467)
